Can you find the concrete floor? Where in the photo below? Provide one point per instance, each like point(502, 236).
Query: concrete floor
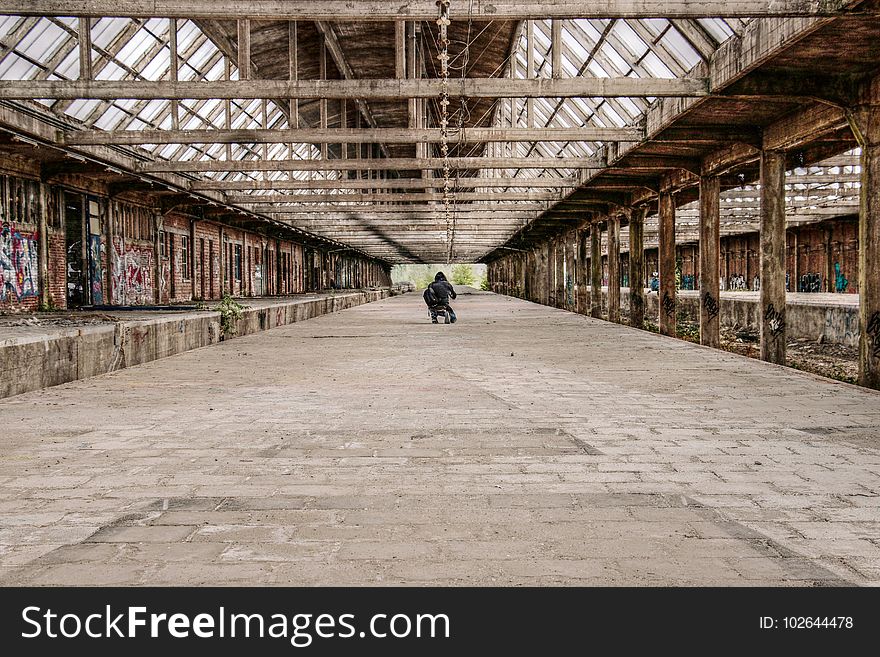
point(521, 446)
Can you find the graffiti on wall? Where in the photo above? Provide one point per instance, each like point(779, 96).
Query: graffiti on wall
point(710, 303)
point(840, 281)
point(19, 268)
point(811, 282)
point(873, 333)
point(132, 273)
point(96, 273)
point(775, 320)
point(737, 283)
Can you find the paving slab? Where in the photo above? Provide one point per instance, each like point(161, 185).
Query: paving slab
point(523, 445)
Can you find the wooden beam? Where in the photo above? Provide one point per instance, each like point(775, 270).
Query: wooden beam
point(482, 208)
point(421, 10)
point(391, 198)
point(346, 136)
point(379, 164)
point(388, 183)
point(353, 89)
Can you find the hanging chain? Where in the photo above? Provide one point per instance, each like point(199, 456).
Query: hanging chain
point(443, 23)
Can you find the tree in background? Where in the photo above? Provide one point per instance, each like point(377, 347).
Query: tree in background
point(463, 275)
point(422, 275)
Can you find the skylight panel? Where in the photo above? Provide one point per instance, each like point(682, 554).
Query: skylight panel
point(105, 30)
point(69, 66)
point(42, 41)
point(14, 67)
point(111, 72)
point(187, 33)
point(82, 109)
point(717, 28)
point(655, 66)
point(135, 48)
point(681, 49)
point(619, 63)
point(633, 43)
point(8, 24)
point(157, 68)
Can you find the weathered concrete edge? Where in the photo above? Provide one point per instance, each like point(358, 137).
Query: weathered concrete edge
point(36, 362)
point(834, 324)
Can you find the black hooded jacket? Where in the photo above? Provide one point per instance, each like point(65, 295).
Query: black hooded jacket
point(442, 288)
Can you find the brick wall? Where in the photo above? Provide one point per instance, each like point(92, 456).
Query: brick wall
point(57, 269)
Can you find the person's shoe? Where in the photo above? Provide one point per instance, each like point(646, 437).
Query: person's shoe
point(434, 321)
point(446, 321)
point(453, 319)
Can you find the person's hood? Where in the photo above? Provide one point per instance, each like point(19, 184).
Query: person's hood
point(440, 276)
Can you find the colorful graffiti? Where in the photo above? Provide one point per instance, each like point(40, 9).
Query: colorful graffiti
point(132, 273)
point(96, 270)
point(840, 281)
point(19, 267)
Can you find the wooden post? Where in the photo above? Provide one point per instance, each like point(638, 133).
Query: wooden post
point(666, 264)
point(865, 122)
point(556, 47)
point(85, 48)
point(596, 271)
point(530, 72)
point(772, 257)
point(244, 49)
point(400, 49)
point(710, 261)
point(614, 268)
point(637, 267)
point(293, 69)
point(322, 104)
point(158, 221)
point(227, 104)
point(172, 70)
point(43, 246)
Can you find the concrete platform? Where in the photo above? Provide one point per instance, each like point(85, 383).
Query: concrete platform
point(49, 354)
point(830, 318)
point(523, 445)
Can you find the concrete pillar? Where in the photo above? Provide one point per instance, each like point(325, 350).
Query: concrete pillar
point(710, 261)
point(614, 269)
point(637, 267)
point(772, 314)
point(866, 125)
point(571, 270)
point(666, 264)
point(595, 271)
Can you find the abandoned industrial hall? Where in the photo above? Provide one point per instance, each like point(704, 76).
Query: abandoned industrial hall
point(211, 373)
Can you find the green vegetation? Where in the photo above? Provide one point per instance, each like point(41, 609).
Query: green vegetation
point(484, 283)
point(230, 312)
point(463, 275)
point(48, 306)
point(423, 275)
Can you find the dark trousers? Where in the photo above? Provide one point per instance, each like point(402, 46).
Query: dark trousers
point(450, 313)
